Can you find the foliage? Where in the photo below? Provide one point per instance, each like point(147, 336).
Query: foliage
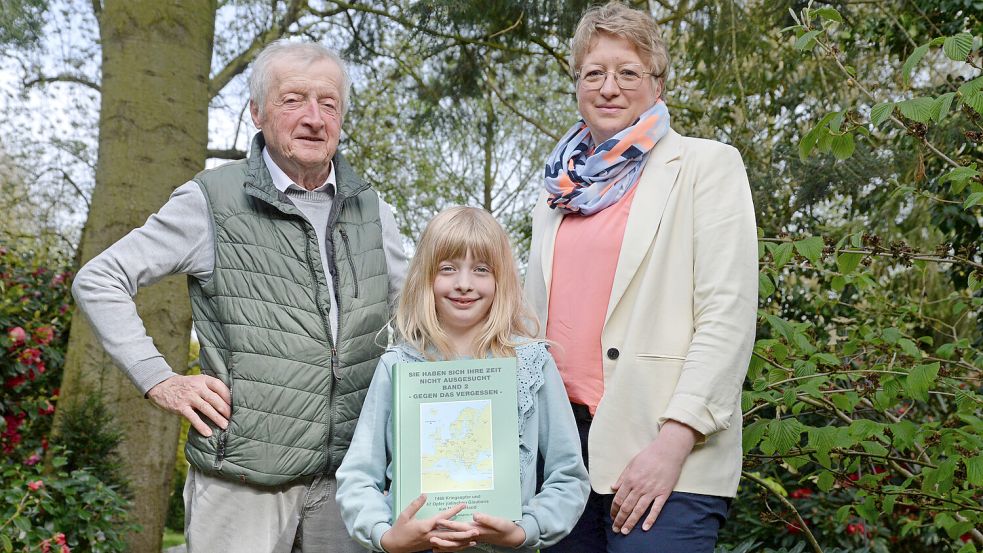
point(60, 511)
point(73, 500)
point(865, 383)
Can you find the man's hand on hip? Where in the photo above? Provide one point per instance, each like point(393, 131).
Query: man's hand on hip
point(190, 396)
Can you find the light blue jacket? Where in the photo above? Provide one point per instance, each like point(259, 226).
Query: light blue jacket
point(546, 428)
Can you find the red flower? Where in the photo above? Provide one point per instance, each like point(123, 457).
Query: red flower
point(46, 546)
point(17, 335)
point(29, 356)
point(48, 409)
point(43, 335)
point(853, 477)
point(855, 528)
point(59, 538)
point(792, 528)
point(35, 486)
point(966, 537)
point(65, 549)
point(15, 381)
point(33, 460)
point(800, 493)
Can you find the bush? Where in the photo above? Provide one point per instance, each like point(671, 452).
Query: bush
point(72, 501)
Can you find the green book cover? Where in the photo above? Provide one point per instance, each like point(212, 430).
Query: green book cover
point(456, 437)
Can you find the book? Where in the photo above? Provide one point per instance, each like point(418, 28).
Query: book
point(456, 437)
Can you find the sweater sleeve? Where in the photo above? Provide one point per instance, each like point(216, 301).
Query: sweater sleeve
point(553, 512)
point(362, 477)
point(396, 259)
point(178, 239)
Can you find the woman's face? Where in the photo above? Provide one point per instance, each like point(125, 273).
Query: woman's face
point(611, 109)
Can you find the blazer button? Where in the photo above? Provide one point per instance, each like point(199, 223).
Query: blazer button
point(613, 353)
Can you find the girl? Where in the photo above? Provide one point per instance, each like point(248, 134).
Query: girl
point(462, 299)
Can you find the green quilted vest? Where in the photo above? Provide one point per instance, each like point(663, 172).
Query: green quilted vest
point(262, 320)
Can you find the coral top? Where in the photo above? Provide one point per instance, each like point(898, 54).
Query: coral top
point(584, 262)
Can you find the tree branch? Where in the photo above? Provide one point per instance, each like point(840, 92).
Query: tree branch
point(61, 78)
point(239, 63)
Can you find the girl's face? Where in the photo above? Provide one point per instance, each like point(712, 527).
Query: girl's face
point(463, 291)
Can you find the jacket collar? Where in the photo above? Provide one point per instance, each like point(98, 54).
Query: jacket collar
point(654, 187)
point(259, 183)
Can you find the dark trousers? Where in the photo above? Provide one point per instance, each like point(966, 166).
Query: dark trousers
point(688, 522)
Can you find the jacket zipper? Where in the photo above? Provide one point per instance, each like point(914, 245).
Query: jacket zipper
point(331, 345)
point(351, 262)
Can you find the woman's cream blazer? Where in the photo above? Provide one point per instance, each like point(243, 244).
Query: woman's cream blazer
point(680, 323)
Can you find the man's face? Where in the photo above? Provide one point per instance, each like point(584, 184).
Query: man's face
point(302, 116)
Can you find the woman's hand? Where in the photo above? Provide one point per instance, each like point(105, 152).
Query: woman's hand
point(437, 532)
point(498, 531)
point(650, 477)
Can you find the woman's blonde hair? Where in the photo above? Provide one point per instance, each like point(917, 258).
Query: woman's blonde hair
point(451, 234)
point(635, 26)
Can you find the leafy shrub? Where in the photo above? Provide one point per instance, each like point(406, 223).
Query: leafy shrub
point(72, 500)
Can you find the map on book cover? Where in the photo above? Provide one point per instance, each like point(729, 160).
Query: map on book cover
point(456, 446)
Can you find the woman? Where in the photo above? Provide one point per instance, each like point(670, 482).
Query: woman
point(643, 269)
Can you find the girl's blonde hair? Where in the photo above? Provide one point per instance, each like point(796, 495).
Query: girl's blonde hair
point(451, 234)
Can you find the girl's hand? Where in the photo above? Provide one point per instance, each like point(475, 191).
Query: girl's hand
point(498, 531)
point(409, 534)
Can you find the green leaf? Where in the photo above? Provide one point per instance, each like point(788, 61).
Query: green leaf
point(847, 262)
point(822, 440)
point(8, 546)
point(887, 503)
point(880, 113)
point(807, 40)
point(875, 448)
point(910, 348)
point(829, 13)
point(891, 335)
point(765, 286)
point(811, 138)
point(974, 470)
point(974, 100)
point(783, 254)
point(958, 47)
point(865, 428)
point(810, 248)
point(968, 547)
point(838, 283)
point(920, 380)
point(837, 121)
point(784, 434)
point(969, 87)
point(920, 110)
point(910, 63)
point(973, 199)
point(960, 177)
point(942, 105)
point(753, 433)
point(843, 146)
point(825, 481)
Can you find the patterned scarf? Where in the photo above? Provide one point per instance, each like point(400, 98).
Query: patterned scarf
point(584, 179)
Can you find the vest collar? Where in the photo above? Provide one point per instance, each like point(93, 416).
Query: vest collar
point(259, 183)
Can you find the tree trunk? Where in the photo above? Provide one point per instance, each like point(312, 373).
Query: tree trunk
point(153, 132)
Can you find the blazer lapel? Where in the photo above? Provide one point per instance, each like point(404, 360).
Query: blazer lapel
point(552, 220)
point(654, 187)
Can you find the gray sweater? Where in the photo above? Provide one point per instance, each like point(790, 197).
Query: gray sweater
point(178, 239)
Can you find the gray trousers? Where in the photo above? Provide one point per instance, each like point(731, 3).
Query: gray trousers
point(220, 515)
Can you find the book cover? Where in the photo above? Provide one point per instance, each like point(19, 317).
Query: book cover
point(456, 438)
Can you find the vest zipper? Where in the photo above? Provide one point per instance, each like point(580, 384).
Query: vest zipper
point(351, 262)
point(331, 343)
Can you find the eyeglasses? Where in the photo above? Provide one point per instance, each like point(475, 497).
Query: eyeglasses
point(628, 77)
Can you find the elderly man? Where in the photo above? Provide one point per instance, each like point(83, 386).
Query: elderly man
point(293, 265)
